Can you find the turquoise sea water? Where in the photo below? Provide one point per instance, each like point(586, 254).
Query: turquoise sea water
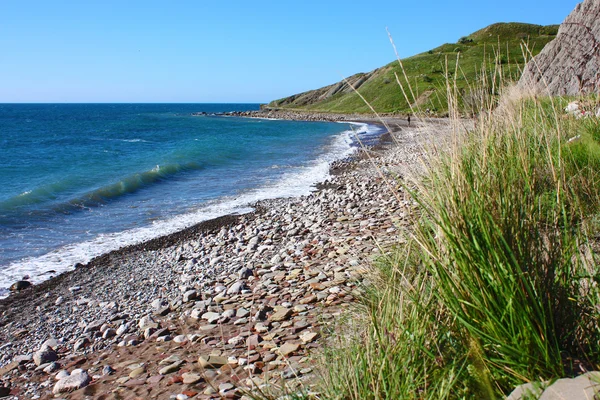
point(79, 180)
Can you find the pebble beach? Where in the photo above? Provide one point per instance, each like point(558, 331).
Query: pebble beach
point(217, 310)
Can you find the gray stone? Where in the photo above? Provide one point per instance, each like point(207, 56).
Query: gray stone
point(81, 343)
point(108, 370)
point(569, 64)
point(583, 387)
point(170, 368)
point(109, 333)
point(245, 273)
point(211, 317)
point(282, 314)
point(44, 355)
point(189, 296)
point(147, 322)
point(72, 382)
point(235, 288)
point(93, 326)
point(52, 367)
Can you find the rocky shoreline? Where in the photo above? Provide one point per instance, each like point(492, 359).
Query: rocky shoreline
point(229, 305)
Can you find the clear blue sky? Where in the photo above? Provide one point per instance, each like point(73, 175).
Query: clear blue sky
point(224, 51)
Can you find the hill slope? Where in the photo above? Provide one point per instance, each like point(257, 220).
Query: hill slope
point(426, 73)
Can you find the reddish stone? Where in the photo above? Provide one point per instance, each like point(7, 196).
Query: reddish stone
point(253, 341)
point(135, 382)
point(253, 358)
point(175, 379)
point(153, 380)
point(189, 393)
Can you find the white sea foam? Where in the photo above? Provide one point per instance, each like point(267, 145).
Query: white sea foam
point(293, 184)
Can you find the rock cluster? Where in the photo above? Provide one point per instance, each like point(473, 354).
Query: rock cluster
point(570, 64)
point(233, 308)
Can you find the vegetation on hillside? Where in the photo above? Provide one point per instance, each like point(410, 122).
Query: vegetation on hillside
point(427, 73)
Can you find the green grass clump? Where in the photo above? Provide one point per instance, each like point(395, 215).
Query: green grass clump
point(499, 285)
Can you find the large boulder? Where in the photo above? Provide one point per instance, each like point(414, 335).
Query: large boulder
point(570, 64)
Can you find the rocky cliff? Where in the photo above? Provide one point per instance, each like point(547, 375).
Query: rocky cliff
point(570, 64)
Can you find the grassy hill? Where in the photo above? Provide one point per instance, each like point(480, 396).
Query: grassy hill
point(426, 72)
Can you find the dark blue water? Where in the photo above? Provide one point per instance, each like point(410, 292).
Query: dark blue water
point(78, 180)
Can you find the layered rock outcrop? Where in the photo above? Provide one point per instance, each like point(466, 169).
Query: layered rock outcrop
point(570, 64)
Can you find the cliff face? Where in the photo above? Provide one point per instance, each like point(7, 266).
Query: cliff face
point(570, 64)
point(325, 93)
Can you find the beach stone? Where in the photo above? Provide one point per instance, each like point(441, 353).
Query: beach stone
point(52, 367)
point(108, 370)
point(197, 313)
point(109, 333)
point(190, 378)
point(211, 317)
point(20, 285)
point(137, 372)
point(253, 341)
point(81, 343)
point(23, 359)
point(224, 387)
point(93, 326)
point(173, 358)
point(180, 339)
point(153, 380)
point(288, 348)
point(189, 296)
point(282, 315)
point(171, 368)
point(245, 273)
point(147, 322)
point(61, 374)
point(308, 337)
point(261, 328)
point(235, 288)
point(72, 382)
point(122, 329)
point(242, 313)
point(214, 362)
point(159, 303)
point(44, 355)
point(582, 387)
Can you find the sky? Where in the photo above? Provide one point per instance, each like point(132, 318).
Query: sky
point(200, 51)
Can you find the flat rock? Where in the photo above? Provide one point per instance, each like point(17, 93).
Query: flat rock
point(282, 315)
point(288, 348)
point(171, 368)
point(72, 382)
point(214, 362)
point(191, 378)
point(583, 387)
point(44, 355)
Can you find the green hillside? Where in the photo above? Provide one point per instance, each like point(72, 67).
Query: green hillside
point(497, 44)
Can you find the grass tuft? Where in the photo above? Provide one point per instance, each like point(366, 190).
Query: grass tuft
point(499, 284)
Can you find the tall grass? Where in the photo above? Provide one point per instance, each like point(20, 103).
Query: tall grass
point(499, 284)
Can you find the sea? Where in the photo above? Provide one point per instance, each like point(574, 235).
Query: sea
point(80, 180)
